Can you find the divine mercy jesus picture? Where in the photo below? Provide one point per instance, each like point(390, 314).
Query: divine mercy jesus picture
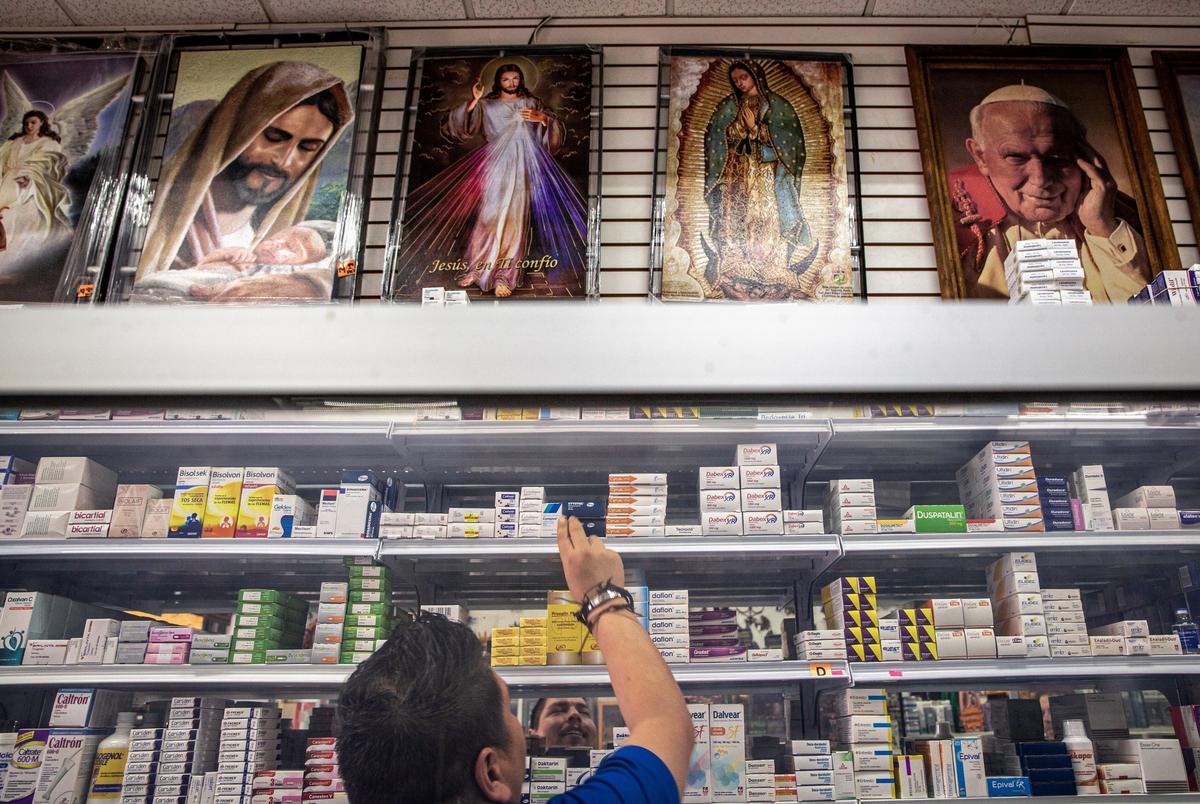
point(496, 200)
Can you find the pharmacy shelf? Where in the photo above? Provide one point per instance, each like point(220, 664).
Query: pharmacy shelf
point(1133, 448)
point(719, 570)
point(1154, 798)
point(165, 575)
point(912, 564)
point(204, 575)
point(612, 347)
point(270, 680)
point(1012, 673)
point(585, 452)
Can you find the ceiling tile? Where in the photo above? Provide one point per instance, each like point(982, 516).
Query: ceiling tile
point(966, 8)
point(505, 9)
point(33, 14)
point(363, 10)
point(1137, 8)
point(164, 12)
point(782, 8)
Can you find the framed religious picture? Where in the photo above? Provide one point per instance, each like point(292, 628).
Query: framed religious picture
point(1023, 143)
point(498, 181)
point(1179, 81)
point(64, 117)
point(758, 149)
point(256, 191)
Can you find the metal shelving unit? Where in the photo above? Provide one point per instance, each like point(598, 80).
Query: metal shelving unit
point(269, 680)
point(1014, 673)
point(581, 349)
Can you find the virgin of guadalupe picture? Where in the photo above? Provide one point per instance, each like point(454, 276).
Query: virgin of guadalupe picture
point(60, 115)
point(498, 175)
point(250, 198)
point(756, 203)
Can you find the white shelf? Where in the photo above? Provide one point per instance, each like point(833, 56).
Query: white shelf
point(1004, 673)
point(599, 348)
point(271, 680)
point(215, 550)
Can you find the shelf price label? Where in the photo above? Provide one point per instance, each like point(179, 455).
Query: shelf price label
point(820, 670)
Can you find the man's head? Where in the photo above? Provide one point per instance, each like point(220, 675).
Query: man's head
point(1026, 141)
point(509, 82)
point(563, 722)
point(426, 719)
point(281, 153)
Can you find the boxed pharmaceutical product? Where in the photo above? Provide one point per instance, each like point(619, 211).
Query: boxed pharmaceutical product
point(156, 524)
point(14, 503)
point(190, 501)
point(699, 777)
point(289, 511)
point(727, 751)
point(69, 497)
point(909, 772)
point(969, 776)
point(719, 477)
point(224, 497)
point(87, 708)
point(259, 487)
point(129, 509)
point(1148, 497)
point(34, 615)
point(83, 471)
point(757, 455)
point(938, 518)
point(760, 477)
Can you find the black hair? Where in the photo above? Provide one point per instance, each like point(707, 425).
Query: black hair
point(508, 68)
point(535, 714)
point(755, 71)
point(44, 131)
point(326, 104)
point(416, 714)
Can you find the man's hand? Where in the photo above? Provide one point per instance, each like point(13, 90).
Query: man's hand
point(586, 561)
point(1097, 209)
point(534, 116)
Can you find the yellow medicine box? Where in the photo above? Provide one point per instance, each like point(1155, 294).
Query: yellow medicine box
point(918, 633)
point(506, 632)
point(529, 660)
point(865, 653)
point(533, 633)
point(533, 622)
point(505, 641)
point(506, 650)
point(506, 661)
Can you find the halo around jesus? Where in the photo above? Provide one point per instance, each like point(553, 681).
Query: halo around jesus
point(487, 75)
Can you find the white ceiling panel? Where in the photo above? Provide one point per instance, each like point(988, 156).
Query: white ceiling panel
point(33, 14)
point(966, 8)
point(1137, 8)
point(164, 12)
point(504, 9)
point(782, 8)
point(363, 10)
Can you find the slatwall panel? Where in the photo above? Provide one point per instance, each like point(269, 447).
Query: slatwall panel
point(900, 260)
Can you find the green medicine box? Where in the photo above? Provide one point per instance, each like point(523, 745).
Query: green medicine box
point(938, 518)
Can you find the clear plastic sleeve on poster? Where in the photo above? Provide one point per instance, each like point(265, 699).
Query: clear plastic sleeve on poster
point(756, 188)
point(71, 106)
point(498, 181)
point(250, 181)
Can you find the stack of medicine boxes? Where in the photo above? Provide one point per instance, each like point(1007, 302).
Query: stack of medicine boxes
point(810, 776)
point(169, 644)
point(545, 777)
point(960, 628)
point(665, 615)
point(508, 514)
point(636, 505)
point(210, 648)
point(141, 765)
point(278, 787)
point(918, 634)
point(531, 504)
point(864, 728)
point(713, 636)
point(266, 619)
point(849, 605)
point(249, 743)
point(322, 774)
point(1055, 498)
point(821, 645)
point(850, 507)
point(761, 489)
point(132, 640)
point(1045, 272)
point(329, 631)
point(1092, 492)
point(370, 585)
point(1000, 483)
point(189, 745)
point(1125, 638)
point(1147, 508)
point(1066, 626)
point(1016, 593)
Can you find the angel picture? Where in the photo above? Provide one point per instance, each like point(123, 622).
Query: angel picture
point(56, 118)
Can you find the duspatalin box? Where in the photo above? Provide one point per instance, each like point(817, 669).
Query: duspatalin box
point(224, 498)
point(938, 518)
point(190, 501)
point(259, 487)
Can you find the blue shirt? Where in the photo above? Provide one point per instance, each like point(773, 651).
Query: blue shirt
point(629, 775)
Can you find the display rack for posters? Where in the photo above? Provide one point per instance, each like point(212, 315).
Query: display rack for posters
point(61, 192)
point(707, 254)
point(215, 137)
point(498, 210)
